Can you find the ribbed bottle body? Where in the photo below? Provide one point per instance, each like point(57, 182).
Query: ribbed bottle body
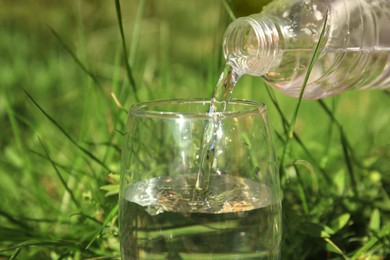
point(355, 49)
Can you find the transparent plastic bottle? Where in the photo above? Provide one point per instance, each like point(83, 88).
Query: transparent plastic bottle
point(279, 43)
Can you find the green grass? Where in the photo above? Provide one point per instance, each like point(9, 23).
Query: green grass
point(65, 86)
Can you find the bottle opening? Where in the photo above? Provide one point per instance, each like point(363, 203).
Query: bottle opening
point(251, 45)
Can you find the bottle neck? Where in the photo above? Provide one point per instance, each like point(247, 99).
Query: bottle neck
point(251, 45)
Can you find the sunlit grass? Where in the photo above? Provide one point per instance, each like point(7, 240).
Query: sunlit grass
point(63, 99)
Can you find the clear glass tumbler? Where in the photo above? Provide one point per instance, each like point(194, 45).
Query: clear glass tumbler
point(165, 215)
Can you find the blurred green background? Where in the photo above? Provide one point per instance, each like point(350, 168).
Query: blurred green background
point(64, 92)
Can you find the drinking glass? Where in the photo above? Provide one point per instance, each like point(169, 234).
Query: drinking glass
point(165, 214)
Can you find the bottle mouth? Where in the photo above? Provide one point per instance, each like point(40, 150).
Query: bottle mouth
point(251, 45)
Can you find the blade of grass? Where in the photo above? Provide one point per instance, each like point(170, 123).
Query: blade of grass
point(286, 126)
point(229, 10)
point(335, 247)
point(62, 130)
point(61, 166)
point(275, 103)
point(110, 216)
point(136, 31)
point(347, 149)
point(16, 133)
point(309, 69)
point(15, 234)
point(349, 163)
point(81, 46)
point(296, 111)
point(301, 190)
point(15, 221)
point(62, 180)
point(311, 173)
point(22, 220)
point(75, 58)
point(15, 254)
point(124, 46)
point(15, 120)
point(48, 243)
point(341, 130)
point(385, 231)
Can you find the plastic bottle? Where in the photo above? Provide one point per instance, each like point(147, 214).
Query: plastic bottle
point(279, 43)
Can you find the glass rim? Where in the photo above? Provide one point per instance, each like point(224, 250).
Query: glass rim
point(250, 107)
